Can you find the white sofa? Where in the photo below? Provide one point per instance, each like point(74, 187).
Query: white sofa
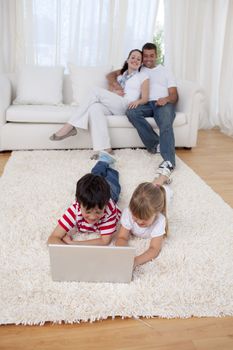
point(29, 126)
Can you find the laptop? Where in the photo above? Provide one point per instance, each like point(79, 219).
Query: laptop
point(91, 263)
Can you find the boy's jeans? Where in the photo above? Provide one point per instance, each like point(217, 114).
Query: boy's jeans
point(111, 176)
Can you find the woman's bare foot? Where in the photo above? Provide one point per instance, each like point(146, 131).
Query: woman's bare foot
point(64, 130)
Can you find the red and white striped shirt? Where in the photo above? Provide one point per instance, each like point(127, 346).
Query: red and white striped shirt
point(105, 226)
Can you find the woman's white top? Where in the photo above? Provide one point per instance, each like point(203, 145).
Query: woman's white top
point(133, 85)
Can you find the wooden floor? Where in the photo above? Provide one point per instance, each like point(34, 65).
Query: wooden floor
point(212, 160)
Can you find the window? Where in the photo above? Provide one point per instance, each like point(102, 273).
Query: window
point(158, 37)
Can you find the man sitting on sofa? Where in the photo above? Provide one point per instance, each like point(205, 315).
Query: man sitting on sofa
point(163, 96)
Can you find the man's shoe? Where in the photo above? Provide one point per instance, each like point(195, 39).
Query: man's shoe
point(165, 169)
point(155, 149)
point(166, 164)
point(72, 132)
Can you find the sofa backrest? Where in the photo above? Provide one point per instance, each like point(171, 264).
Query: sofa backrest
point(67, 87)
point(186, 89)
point(13, 81)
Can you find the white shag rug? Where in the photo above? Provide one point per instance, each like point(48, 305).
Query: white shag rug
point(193, 275)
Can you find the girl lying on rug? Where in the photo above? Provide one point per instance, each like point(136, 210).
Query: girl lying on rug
point(95, 209)
point(146, 217)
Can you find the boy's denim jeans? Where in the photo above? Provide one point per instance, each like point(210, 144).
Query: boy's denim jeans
point(111, 176)
point(164, 117)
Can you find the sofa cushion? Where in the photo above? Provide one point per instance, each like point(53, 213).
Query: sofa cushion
point(116, 121)
point(39, 85)
point(61, 114)
point(83, 79)
point(39, 113)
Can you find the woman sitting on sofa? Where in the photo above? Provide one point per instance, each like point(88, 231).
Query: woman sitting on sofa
point(102, 102)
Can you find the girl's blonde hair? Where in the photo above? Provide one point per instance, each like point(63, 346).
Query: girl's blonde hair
point(147, 200)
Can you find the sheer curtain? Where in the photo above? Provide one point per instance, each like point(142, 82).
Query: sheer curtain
point(86, 32)
point(7, 35)
point(198, 44)
point(225, 111)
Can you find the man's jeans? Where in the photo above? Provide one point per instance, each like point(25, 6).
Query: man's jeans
point(164, 117)
point(111, 176)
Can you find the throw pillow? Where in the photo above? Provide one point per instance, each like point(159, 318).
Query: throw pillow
point(40, 85)
point(83, 79)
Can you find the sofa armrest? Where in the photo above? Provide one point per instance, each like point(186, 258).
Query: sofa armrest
point(5, 97)
point(187, 91)
point(192, 102)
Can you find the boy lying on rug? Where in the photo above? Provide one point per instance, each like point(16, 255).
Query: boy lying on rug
point(95, 209)
point(146, 217)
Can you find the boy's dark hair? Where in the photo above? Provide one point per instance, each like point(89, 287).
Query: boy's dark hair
point(92, 191)
point(149, 46)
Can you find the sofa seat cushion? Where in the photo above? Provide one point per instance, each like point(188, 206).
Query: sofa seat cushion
point(39, 113)
point(116, 121)
point(61, 114)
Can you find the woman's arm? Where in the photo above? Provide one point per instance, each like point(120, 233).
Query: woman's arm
point(151, 252)
point(113, 84)
point(122, 237)
point(144, 95)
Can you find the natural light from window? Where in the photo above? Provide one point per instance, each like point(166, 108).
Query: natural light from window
point(159, 33)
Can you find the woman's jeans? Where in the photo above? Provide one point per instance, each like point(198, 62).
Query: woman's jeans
point(164, 117)
point(111, 176)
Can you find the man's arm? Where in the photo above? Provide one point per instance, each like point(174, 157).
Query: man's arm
point(171, 98)
point(113, 85)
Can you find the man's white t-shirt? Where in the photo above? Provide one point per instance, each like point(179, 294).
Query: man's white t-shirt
point(160, 80)
point(132, 88)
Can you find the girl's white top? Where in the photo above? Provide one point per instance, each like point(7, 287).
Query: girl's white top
point(155, 230)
